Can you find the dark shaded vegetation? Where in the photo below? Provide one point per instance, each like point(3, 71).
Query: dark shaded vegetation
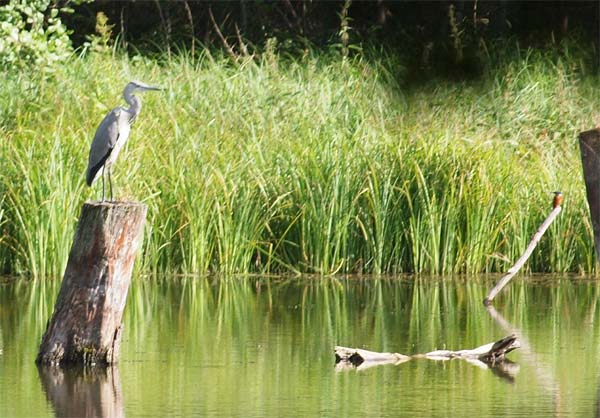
point(433, 37)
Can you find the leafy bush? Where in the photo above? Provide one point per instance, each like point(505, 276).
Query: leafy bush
point(32, 34)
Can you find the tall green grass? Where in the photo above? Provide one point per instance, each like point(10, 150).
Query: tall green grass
point(315, 164)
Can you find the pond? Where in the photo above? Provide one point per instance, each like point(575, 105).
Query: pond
point(263, 347)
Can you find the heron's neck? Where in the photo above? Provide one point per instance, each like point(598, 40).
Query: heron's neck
point(135, 105)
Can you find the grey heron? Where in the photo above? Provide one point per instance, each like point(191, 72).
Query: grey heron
point(112, 134)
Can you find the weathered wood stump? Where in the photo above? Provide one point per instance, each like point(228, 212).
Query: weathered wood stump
point(86, 325)
point(589, 145)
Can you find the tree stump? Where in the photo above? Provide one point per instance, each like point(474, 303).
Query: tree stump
point(589, 145)
point(86, 327)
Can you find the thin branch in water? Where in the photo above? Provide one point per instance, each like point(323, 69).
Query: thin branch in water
point(521, 261)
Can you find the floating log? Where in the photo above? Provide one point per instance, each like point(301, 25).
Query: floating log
point(487, 354)
point(589, 145)
point(86, 325)
point(356, 356)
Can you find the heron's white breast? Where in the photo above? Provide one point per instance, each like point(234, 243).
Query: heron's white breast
point(124, 128)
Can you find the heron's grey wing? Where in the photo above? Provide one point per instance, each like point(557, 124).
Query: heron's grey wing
point(103, 143)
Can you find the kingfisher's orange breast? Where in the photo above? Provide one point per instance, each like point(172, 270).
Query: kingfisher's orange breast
point(558, 199)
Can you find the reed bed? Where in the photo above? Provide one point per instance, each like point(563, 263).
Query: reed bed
point(315, 164)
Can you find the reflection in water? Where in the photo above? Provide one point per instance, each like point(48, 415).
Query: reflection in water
point(83, 392)
point(238, 347)
point(597, 415)
point(544, 373)
point(506, 370)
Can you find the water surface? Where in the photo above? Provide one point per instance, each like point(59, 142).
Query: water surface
point(257, 347)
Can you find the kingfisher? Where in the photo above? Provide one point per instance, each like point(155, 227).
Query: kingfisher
point(558, 199)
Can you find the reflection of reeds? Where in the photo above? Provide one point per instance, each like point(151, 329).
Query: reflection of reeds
point(310, 165)
point(196, 345)
point(25, 307)
point(268, 338)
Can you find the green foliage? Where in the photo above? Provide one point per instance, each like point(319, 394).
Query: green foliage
point(318, 164)
point(101, 41)
point(32, 34)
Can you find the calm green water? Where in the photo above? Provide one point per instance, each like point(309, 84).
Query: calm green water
point(264, 348)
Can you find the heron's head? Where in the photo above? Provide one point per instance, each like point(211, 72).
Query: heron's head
point(135, 86)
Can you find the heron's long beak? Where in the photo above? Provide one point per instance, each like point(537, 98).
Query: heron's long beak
point(153, 88)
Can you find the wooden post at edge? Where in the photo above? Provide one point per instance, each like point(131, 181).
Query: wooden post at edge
point(589, 145)
point(85, 327)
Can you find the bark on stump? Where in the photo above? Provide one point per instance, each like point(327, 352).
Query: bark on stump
point(86, 325)
point(589, 145)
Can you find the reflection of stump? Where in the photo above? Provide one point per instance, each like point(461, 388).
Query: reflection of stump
point(589, 144)
point(83, 392)
point(86, 325)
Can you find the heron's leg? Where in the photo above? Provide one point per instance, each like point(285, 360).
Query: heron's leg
point(110, 184)
point(103, 184)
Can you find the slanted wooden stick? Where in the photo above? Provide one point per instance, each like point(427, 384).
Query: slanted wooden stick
point(521, 261)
